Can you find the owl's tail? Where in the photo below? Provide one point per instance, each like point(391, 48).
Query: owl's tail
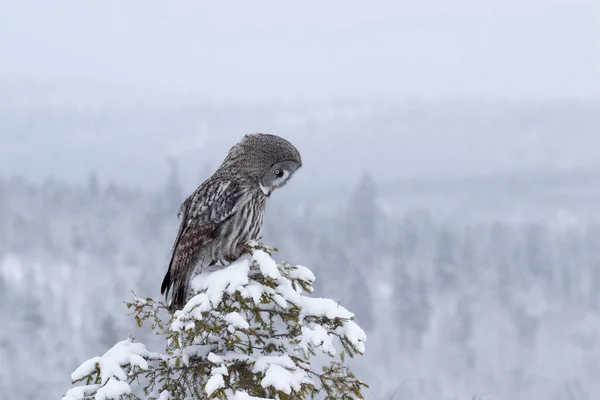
point(180, 287)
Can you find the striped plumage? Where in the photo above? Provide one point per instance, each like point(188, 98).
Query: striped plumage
point(226, 211)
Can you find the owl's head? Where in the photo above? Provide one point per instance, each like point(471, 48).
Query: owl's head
point(268, 160)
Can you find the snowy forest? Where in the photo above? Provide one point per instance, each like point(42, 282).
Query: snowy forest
point(464, 235)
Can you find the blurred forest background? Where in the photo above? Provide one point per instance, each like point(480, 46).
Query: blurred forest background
point(450, 193)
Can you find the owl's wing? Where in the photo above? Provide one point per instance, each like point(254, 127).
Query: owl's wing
point(201, 214)
point(181, 215)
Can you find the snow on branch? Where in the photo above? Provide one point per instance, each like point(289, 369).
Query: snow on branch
point(250, 332)
point(111, 380)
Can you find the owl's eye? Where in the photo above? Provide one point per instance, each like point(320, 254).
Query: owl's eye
point(279, 172)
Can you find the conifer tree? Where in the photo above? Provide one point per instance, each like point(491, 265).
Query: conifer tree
point(249, 332)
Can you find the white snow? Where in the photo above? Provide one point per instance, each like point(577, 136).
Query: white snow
point(214, 383)
point(236, 320)
point(86, 368)
point(226, 280)
point(194, 351)
point(253, 290)
point(267, 265)
point(281, 302)
point(263, 362)
point(317, 336)
point(124, 352)
point(283, 379)
point(113, 389)
point(245, 396)
point(280, 372)
point(301, 272)
point(213, 358)
point(288, 292)
point(212, 286)
point(321, 307)
point(79, 392)
point(112, 375)
point(354, 334)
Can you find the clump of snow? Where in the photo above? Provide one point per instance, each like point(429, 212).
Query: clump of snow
point(317, 336)
point(211, 287)
point(320, 307)
point(80, 392)
point(214, 383)
point(283, 379)
point(301, 272)
point(112, 375)
point(245, 396)
point(354, 334)
point(213, 358)
point(236, 320)
point(226, 280)
point(281, 302)
point(281, 373)
point(85, 369)
point(267, 265)
point(263, 362)
point(124, 352)
point(113, 389)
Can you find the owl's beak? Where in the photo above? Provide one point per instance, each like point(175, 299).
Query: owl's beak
point(266, 191)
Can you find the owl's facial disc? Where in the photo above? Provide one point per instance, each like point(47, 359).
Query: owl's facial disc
point(278, 176)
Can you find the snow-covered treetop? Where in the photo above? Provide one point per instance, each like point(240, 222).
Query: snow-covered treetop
point(249, 332)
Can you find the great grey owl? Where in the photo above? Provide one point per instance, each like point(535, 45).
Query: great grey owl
point(226, 211)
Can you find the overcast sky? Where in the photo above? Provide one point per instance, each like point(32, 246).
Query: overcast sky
point(310, 48)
